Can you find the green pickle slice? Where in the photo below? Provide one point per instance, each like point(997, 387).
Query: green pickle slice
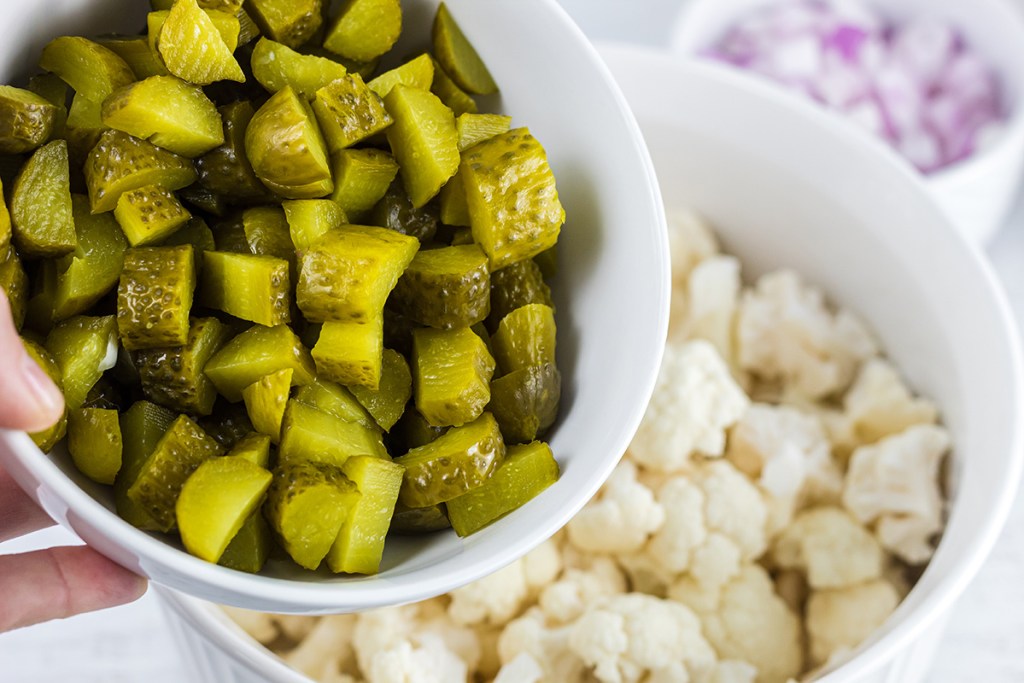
point(142, 427)
point(94, 442)
point(277, 66)
point(361, 179)
point(452, 372)
point(446, 288)
point(525, 402)
point(86, 275)
point(308, 434)
point(387, 403)
point(26, 120)
point(150, 214)
point(154, 297)
point(291, 22)
point(50, 437)
point(525, 337)
point(266, 399)
point(458, 57)
point(310, 219)
point(334, 399)
point(423, 140)
point(256, 353)
point(138, 54)
point(365, 29)
point(351, 353)
point(193, 49)
point(418, 72)
point(90, 69)
point(395, 212)
point(226, 170)
point(454, 97)
point(360, 543)
point(247, 286)
point(249, 549)
point(349, 112)
point(516, 286)
point(253, 447)
point(41, 213)
point(119, 163)
point(84, 348)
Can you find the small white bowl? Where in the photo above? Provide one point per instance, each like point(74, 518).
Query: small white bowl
point(978, 192)
point(612, 298)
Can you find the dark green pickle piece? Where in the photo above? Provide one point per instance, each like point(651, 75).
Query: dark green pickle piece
point(196, 233)
point(410, 521)
point(446, 288)
point(458, 57)
point(395, 212)
point(26, 120)
point(525, 402)
point(84, 348)
point(516, 286)
point(154, 298)
point(229, 423)
point(256, 353)
point(46, 439)
point(249, 549)
point(41, 213)
point(142, 427)
point(14, 283)
point(229, 236)
point(119, 163)
point(226, 170)
point(198, 197)
point(387, 403)
point(525, 337)
point(411, 431)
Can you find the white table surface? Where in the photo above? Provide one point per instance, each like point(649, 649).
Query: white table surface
point(984, 641)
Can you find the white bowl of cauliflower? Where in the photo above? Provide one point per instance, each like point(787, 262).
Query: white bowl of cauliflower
point(830, 453)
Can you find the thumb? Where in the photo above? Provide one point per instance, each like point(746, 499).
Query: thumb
point(29, 399)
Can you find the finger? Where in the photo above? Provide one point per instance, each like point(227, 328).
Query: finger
point(29, 399)
point(18, 514)
point(61, 582)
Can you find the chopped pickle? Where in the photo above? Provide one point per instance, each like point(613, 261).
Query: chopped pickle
point(308, 434)
point(168, 112)
point(265, 401)
point(446, 288)
point(348, 274)
point(138, 54)
point(228, 424)
point(525, 402)
point(291, 22)
point(334, 399)
point(516, 286)
point(395, 212)
point(423, 140)
point(230, 236)
point(92, 270)
point(182, 448)
point(458, 57)
point(453, 464)
point(248, 29)
point(142, 427)
point(350, 353)
point(14, 283)
point(193, 49)
point(276, 66)
point(227, 25)
point(454, 97)
point(90, 69)
point(250, 547)
point(311, 219)
point(513, 203)
point(94, 442)
point(256, 353)
point(361, 179)
point(84, 126)
point(266, 231)
point(407, 520)
point(215, 501)
point(413, 430)
point(349, 112)
point(365, 29)
point(26, 120)
point(47, 438)
point(306, 505)
point(525, 473)
point(226, 170)
point(40, 212)
point(174, 377)
point(83, 348)
point(452, 372)
point(247, 286)
point(119, 163)
point(55, 91)
point(149, 214)
point(454, 208)
point(525, 337)
point(416, 73)
point(154, 297)
point(475, 128)
point(287, 150)
point(360, 543)
point(387, 403)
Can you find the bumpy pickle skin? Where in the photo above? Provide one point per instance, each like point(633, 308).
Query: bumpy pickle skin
point(513, 203)
point(89, 68)
point(215, 502)
point(525, 337)
point(446, 288)
point(360, 543)
point(168, 112)
point(290, 22)
point(41, 214)
point(475, 128)
point(14, 283)
point(249, 549)
point(525, 402)
point(119, 163)
point(193, 49)
point(142, 426)
point(138, 54)
point(256, 353)
point(227, 25)
point(174, 377)
point(395, 212)
point(516, 286)
point(46, 439)
point(150, 214)
point(409, 521)
point(247, 286)
point(361, 179)
point(454, 97)
point(154, 297)
point(182, 448)
point(277, 66)
point(310, 219)
point(26, 120)
point(349, 112)
point(458, 56)
point(94, 442)
point(82, 348)
point(387, 403)
point(267, 232)
point(336, 400)
point(453, 464)
point(287, 150)
point(418, 72)
point(351, 353)
point(526, 472)
point(253, 447)
point(423, 140)
point(308, 434)
point(365, 29)
point(452, 371)
point(226, 170)
point(92, 270)
point(306, 505)
point(266, 400)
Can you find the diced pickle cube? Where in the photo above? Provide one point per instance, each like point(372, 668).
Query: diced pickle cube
point(413, 431)
point(250, 287)
point(94, 442)
point(452, 372)
point(446, 288)
point(276, 66)
point(454, 97)
point(348, 274)
point(308, 434)
point(227, 25)
point(387, 403)
point(416, 73)
point(266, 400)
point(26, 120)
point(513, 203)
point(193, 49)
point(253, 447)
point(361, 178)
point(14, 283)
point(334, 399)
point(424, 141)
point(458, 57)
point(525, 402)
point(83, 348)
point(119, 163)
point(475, 128)
point(266, 231)
point(250, 547)
point(516, 286)
point(525, 337)
point(182, 448)
point(174, 377)
point(395, 212)
point(92, 270)
point(311, 219)
point(41, 212)
point(226, 170)
point(138, 54)
point(307, 504)
point(215, 501)
point(348, 112)
point(350, 353)
point(365, 29)
point(142, 427)
point(291, 22)
point(360, 543)
point(256, 353)
point(525, 473)
point(47, 438)
point(90, 69)
point(453, 464)
point(84, 126)
point(154, 298)
point(150, 214)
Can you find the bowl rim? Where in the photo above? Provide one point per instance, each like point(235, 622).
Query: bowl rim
point(128, 545)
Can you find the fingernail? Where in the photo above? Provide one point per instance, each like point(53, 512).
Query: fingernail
point(48, 399)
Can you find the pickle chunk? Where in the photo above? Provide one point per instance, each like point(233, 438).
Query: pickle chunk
point(360, 543)
point(458, 57)
point(226, 170)
point(310, 219)
point(361, 178)
point(142, 426)
point(266, 400)
point(193, 49)
point(308, 434)
point(41, 212)
point(291, 22)
point(26, 120)
point(250, 287)
point(256, 353)
point(149, 214)
point(119, 163)
point(90, 69)
point(334, 399)
point(277, 66)
point(94, 441)
point(250, 547)
point(154, 297)
point(387, 403)
point(348, 112)
point(446, 288)
point(84, 348)
point(365, 29)
point(525, 337)
point(92, 270)
point(424, 140)
point(416, 73)
point(525, 402)
point(350, 353)
point(452, 371)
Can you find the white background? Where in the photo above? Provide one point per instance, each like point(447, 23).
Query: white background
point(984, 642)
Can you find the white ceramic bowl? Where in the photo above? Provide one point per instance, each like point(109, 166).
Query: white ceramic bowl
point(788, 185)
point(612, 298)
point(978, 192)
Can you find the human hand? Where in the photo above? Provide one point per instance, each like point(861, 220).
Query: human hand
point(59, 582)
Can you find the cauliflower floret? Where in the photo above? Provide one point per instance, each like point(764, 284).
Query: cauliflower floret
point(626, 637)
point(840, 619)
point(729, 671)
point(879, 404)
point(711, 299)
point(548, 646)
point(786, 332)
point(377, 630)
point(494, 599)
point(690, 240)
point(429, 662)
point(621, 518)
point(831, 547)
point(330, 640)
point(566, 599)
point(745, 620)
point(463, 641)
point(522, 669)
point(694, 401)
point(894, 484)
point(542, 565)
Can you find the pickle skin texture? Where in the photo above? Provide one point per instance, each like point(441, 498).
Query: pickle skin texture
point(349, 112)
point(365, 29)
point(387, 403)
point(89, 68)
point(452, 371)
point(46, 439)
point(119, 163)
point(41, 213)
point(276, 66)
point(94, 442)
point(458, 57)
point(154, 297)
point(266, 400)
point(424, 141)
point(255, 353)
point(150, 214)
point(525, 402)
point(525, 337)
point(360, 543)
point(290, 22)
point(193, 49)
point(27, 120)
point(446, 288)
point(516, 286)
